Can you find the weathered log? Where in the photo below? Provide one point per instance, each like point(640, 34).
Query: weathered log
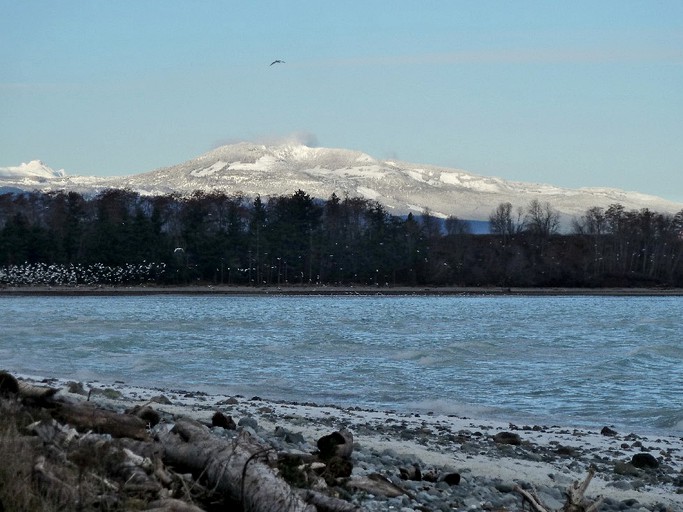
point(240, 470)
point(9, 384)
point(377, 484)
point(84, 416)
point(31, 391)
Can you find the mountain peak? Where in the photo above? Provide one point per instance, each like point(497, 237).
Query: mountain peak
point(291, 152)
point(35, 169)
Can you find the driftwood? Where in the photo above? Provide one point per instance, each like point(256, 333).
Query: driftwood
point(133, 468)
point(379, 485)
point(85, 416)
point(576, 501)
point(241, 469)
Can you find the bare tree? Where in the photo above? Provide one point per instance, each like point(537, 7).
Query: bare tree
point(501, 221)
point(542, 219)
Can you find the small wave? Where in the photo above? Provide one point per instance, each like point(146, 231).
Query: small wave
point(448, 407)
point(671, 422)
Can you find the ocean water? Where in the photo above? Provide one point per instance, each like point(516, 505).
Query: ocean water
point(574, 361)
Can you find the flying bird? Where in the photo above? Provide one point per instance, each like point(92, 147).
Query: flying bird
point(277, 62)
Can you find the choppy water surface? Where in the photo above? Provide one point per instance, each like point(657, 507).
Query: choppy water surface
point(585, 361)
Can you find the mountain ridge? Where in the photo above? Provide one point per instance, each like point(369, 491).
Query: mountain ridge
point(401, 187)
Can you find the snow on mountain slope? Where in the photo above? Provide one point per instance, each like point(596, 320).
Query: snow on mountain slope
point(252, 169)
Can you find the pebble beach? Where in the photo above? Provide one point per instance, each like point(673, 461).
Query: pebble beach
point(436, 462)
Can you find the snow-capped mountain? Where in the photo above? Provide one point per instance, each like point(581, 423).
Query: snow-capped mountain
point(34, 170)
point(252, 169)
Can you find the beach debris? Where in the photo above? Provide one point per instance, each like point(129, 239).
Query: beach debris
point(576, 501)
point(375, 483)
point(112, 473)
point(124, 456)
point(52, 432)
point(338, 443)
point(85, 416)
point(242, 469)
point(10, 385)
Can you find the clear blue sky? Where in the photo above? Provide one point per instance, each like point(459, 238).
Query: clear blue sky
point(575, 93)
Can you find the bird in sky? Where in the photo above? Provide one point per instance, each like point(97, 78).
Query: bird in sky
point(277, 62)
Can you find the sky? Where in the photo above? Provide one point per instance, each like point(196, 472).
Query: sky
point(574, 94)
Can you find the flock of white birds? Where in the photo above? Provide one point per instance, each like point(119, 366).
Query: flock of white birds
point(43, 274)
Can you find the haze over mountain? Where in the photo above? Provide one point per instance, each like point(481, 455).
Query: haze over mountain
point(252, 169)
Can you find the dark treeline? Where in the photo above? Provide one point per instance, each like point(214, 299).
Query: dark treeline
point(297, 240)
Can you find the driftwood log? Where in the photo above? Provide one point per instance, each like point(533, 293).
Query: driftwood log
point(81, 415)
point(86, 416)
point(240, 469)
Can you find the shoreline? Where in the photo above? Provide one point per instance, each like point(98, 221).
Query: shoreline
point(331, 290)
point(546, 457)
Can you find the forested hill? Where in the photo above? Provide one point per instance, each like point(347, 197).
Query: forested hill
point(119, 236)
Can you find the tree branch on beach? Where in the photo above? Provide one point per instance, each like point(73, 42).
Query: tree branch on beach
point(576, 501)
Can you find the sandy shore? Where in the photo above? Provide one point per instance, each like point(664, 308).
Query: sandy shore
point(87, 290)
point(547, 458)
